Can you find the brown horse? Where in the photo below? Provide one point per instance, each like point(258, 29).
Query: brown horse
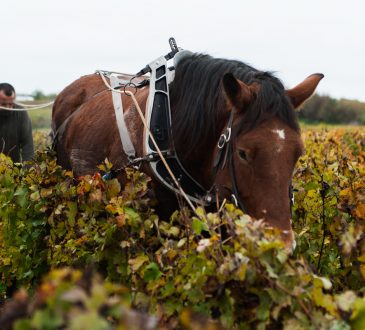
point(263, 147)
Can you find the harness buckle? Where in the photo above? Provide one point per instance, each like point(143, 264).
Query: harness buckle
point(208, 198)
point(135, 162)
point(224, 138)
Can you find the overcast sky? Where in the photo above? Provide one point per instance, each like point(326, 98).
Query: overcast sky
point(47, 44)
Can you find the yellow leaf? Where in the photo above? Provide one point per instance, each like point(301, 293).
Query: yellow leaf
point(362, 258)
point(6, 261)
point(35, 196)
point(182, 242)
point(69, 174)
point(345, 192)
point(360, 211)
point(185, 317)
point(200, 212)
point(312, 194)
point(111, 208)
point(242, 272)
point(120, 220)
point(46, 192)
point(171, 254)
point(324, 300)
point(362, 270)
point(322, 282)
point(137, 262)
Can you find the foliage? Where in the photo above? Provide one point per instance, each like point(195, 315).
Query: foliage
point(42, 139)
point(221, 266)
point(329, 211)
point(41, 118)
point(69, 299)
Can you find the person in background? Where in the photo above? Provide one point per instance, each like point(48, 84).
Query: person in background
point(16, 138)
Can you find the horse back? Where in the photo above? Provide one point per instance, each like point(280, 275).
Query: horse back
point(84, 124)
point(73, 96)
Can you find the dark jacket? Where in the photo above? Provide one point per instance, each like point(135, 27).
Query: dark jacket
point(16, 138)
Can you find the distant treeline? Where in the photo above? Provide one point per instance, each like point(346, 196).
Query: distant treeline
point(325, 109)
point(318, 109)
point(38, 95)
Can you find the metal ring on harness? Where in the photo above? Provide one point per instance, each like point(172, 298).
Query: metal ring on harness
point(224, 138)
point(132, 85)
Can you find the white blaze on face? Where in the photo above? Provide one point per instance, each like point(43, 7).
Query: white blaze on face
point(281, 135)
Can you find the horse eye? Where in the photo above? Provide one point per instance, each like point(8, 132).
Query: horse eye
point(242, 154)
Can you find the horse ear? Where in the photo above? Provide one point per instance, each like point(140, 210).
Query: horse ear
point(237, 92)
point(304, 90)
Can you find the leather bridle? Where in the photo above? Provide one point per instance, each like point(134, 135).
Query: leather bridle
point(225, 157)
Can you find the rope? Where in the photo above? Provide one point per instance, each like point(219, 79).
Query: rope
point(159, 152)
point(176, 182)
point(108, 85)
point(28, 107)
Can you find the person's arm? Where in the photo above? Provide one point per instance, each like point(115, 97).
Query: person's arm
point(26, 138)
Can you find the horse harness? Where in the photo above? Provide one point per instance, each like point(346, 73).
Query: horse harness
point(158, 115)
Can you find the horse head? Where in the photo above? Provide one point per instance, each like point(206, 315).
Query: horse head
point(253, 118)
point(255, 163)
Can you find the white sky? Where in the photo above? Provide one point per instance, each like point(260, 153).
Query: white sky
point(46, 44)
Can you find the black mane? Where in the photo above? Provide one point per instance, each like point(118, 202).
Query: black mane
point(199, 105)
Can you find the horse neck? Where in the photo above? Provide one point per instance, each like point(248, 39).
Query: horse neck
point(198, 157)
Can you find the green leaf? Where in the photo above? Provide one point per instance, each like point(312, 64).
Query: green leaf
point(71, 212)
point(151, 272)
point(358, 316)
point(23, 325)
point(90, 321)
point(313, 185)
point(22, 196)
point(45, 319)
point(113, 188)
point(198, 226)
point(133, 217)
point(263, 310)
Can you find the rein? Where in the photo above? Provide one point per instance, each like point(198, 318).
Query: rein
point(28, 107)
point(163, 159)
